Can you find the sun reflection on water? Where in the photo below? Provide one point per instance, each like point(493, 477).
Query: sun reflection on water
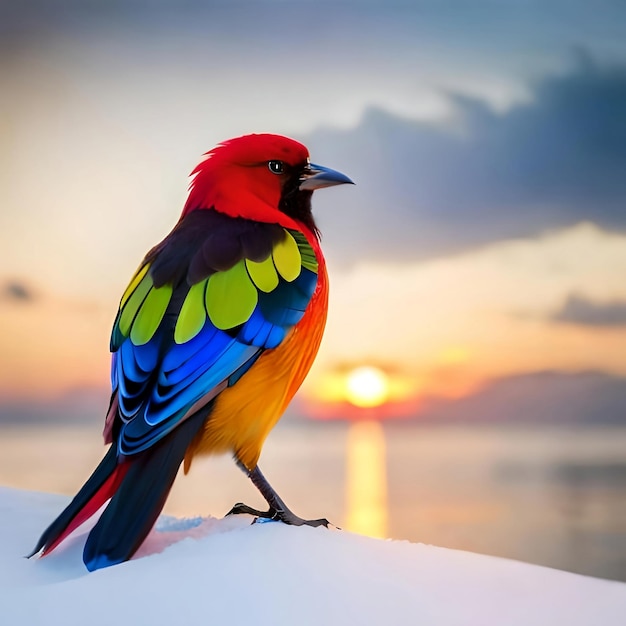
point(366, 479)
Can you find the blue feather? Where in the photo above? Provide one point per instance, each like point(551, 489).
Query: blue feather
point(275, 338)
point(201, 360)
point(147, 355)
point(179, 353)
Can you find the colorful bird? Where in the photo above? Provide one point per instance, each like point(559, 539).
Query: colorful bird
point(214, 335)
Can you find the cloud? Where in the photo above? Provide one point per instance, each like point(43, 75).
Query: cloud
point(16, 291)
point(425, 191)
point(579, 310)
point(545, 397)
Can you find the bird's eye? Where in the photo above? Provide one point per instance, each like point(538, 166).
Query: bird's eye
point(276, 167)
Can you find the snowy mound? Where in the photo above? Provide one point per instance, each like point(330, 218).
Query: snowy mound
point(209, 571)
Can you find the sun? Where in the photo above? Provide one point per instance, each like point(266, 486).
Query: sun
point(367, 386)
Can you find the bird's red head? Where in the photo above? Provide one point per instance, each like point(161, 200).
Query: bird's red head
point(243, 177)
point(264, 177)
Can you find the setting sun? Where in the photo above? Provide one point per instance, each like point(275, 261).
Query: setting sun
point(367, 386)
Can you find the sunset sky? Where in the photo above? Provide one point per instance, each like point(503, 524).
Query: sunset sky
point(485, 237)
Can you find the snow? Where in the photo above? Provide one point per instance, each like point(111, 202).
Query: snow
point(207, 570)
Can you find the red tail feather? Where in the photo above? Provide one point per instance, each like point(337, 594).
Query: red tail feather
point(99, 498)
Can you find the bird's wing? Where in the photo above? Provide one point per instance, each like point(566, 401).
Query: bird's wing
point(203, 306)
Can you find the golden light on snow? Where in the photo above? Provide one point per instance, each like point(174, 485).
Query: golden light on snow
point(367, 386)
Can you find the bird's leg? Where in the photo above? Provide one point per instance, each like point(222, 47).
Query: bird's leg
point(278, 509)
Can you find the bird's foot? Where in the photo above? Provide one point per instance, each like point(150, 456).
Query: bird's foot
point(284, 515)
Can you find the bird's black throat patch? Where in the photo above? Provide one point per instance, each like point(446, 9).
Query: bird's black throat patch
point(296, 203)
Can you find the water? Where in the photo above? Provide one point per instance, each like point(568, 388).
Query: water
point(552, 497)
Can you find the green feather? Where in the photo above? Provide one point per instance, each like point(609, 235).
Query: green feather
point(133, 302)
point(263, 274)
point(309, 260)
point(192, 314)
point(287, 258)
point(231, 297)
point(150, 314)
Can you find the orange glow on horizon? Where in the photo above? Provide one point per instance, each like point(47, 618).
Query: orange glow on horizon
point(344, 384)
point(53, 347)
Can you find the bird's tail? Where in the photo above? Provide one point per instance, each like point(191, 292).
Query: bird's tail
point(134, 508)
point(101, 485)
point(137, 486)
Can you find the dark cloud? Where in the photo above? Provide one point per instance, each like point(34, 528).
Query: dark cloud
point(424, 191)
point(546, 398)
point(579, 310)
point(16, 291)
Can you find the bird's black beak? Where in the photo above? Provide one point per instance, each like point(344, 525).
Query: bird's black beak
point(318, 176)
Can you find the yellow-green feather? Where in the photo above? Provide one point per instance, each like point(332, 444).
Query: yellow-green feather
point(150, 314)
point(192, 314)
point(231, 297)
point(133, 302)
point(263, 274)
point(141, 272)
point(287, 259)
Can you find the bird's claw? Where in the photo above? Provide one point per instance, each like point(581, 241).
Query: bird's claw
point(274, 515)
point(243, 509)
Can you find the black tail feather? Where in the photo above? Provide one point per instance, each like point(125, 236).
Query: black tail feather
point(134, 508)
point(58, 528)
